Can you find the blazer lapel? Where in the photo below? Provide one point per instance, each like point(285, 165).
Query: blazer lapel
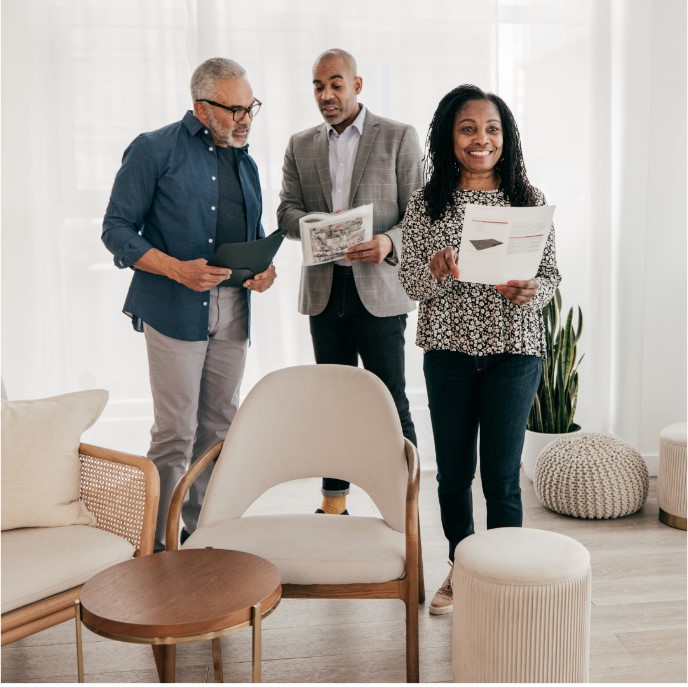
point(322, 163)
point(365, 145)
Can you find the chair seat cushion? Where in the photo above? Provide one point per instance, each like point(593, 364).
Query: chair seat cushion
point(39, 562)
point(313, 549)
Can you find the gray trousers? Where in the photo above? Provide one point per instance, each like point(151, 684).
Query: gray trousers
point(195, 387)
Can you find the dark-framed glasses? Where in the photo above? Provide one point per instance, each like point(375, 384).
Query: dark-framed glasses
point(238, 112)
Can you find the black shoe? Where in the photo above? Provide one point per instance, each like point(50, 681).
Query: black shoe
point(183, 536)
point(320, 510)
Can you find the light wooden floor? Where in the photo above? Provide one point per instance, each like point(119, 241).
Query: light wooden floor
point(638, 613)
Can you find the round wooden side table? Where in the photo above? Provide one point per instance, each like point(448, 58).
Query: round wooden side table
point(181, 596)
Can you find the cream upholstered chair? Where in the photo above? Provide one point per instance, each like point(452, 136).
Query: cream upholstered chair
point(121, 490)
point(312, 421)
point(69, 509)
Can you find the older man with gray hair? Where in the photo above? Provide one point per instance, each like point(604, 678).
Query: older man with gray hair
point(181, 191)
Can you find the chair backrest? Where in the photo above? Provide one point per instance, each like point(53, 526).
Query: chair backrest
point(312, 421)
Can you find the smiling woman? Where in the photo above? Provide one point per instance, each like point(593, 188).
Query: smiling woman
point(478, 143)
point(483, 344)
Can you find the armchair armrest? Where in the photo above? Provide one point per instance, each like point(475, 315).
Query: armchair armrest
point(412, 490)
point(122, 491)
point(183, 486)
point(414, 553)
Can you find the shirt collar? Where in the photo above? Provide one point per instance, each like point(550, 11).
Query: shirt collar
point(357, 123)
point(195, 125)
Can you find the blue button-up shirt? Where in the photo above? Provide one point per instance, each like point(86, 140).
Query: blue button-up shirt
point(166, 196)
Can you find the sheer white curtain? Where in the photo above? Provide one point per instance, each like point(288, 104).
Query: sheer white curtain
point(648, 211)
point(588, 80)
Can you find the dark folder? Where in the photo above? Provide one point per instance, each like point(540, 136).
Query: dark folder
point(248, 258)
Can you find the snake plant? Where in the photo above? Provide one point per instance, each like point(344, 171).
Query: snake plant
point(555, 401)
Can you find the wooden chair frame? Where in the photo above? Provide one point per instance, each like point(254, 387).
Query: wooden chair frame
point(410, 588)
point(105, 474)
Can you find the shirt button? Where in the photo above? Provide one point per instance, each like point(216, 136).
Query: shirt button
point(210, 240)
point(212, 207)
point(205, 303)
point(206, 131)
point(213, 178)
point(210, 148)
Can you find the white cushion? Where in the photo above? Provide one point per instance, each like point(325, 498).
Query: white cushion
point(313, 549)
point(40, 459)
point(521, 556)
point(675, 434)
point(40, 562)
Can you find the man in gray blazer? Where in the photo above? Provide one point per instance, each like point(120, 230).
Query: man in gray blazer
point(356, 306)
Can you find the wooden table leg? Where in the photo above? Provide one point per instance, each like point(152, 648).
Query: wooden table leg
point(79, 643)
point(256, 623)
point(217, 660)
point(158, 656)
point(169, 653)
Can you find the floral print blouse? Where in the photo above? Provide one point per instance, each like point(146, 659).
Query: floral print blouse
point(461, 316)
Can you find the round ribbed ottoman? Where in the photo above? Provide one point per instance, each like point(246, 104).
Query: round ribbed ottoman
point(591, 475)
point(521, 607)
point(671, 481)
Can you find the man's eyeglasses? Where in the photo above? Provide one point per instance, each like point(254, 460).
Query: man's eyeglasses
point(238, 113)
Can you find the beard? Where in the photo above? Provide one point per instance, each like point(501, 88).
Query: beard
point(333, 119)
point(224, 136)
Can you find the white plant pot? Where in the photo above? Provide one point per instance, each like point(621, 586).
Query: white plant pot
point(533, 445)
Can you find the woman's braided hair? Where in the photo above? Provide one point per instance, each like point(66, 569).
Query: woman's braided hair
point(441, 168)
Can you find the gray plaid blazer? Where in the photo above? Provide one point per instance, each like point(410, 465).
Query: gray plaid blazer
point(387, 170)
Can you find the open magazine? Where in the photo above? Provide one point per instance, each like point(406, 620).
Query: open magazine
point(327, 237)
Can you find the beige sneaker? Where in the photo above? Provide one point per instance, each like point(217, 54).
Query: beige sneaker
point(443, 601)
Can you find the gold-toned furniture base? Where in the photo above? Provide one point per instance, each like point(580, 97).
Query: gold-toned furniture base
point(672, 520)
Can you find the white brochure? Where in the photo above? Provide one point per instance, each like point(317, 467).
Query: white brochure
point(499, 244)
point(327, 237)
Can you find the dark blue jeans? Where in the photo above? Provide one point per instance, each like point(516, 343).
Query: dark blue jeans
point(345, 330)
point(492, 393)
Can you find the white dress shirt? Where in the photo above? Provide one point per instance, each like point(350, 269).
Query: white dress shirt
point(343, 148)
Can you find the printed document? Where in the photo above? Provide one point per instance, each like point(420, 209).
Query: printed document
point(499, 244)
point(327, 237)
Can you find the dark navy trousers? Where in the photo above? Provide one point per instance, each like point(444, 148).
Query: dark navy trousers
point(489, 395)
point(346, 330)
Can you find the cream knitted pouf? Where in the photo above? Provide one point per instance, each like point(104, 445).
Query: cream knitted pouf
point(591, 475)
point(521, 607)
point(671, 481)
